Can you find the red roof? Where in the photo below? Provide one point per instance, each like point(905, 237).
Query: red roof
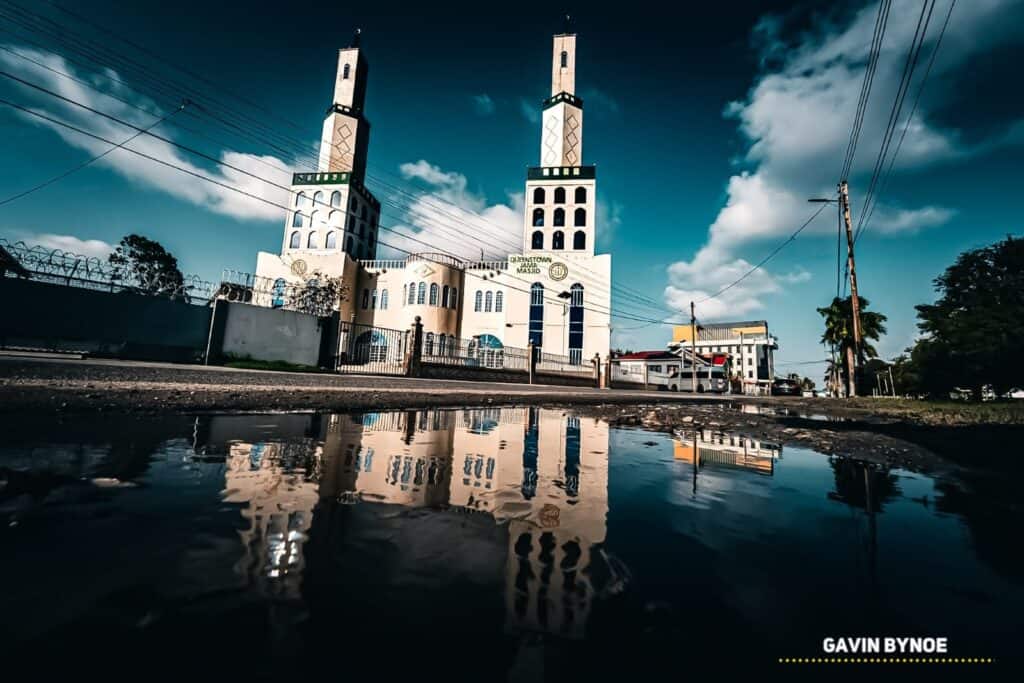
point(649, 355)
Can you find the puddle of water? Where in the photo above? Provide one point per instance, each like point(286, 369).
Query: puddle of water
point(781, 411)
point(527, 541)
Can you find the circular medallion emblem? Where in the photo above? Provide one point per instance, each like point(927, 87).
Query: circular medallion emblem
point(558, 271)
point(298, 267)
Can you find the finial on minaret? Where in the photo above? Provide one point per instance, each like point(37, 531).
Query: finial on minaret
point(567, 27)
point(355, 37)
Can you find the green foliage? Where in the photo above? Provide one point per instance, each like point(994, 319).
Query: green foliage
point(146, 266)
point(839, 329)
point(970, 336)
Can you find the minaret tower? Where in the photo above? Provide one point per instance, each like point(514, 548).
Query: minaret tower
point(560, 192)
point(331, 209)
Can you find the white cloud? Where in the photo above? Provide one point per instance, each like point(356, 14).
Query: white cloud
point(530, 111)
point(483, 104)
point(455, 220)
point(796, 119)
point(69, 243)
point(600, 101)
point(137, 169)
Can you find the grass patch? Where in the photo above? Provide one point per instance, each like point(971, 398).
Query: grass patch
point(945, 412)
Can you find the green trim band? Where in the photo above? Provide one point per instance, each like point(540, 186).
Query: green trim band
point(558, 172)
point(562, 97)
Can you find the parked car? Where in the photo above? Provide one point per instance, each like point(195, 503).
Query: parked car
point(786, 387)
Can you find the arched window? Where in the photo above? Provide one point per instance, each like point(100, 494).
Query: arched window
point(295, 241)
point(488, 302)
point(580, 217)
point(300, 200)
point(334, 219)
point(332, 240)
point(433, 293)
point(351, 223)
point(478, 301)
point(348, 245)
point(559, 195)
point(537, 240)
point(362, 229)
point(444, 297)
point(383, 299)
point(455, 297)
point(538, 218)
point(565, 59)
point(353, 204)
point(297, 219)
point(279, 290)
point(421, 293)
point(538, 195)
point(441, 344)
point(412, 295)
point(576, 325)
point(318, 198)
point(499, 302)
point(558, 240)
point(579, 240)
point(314, 218)
point(311, 241)
point(363, 213)
point(366, 298)
point(559, 218)
point(373, 299)
point(336, 198)
point(581, 195)
point(537, 314)
point(345, 71)
point(428, 344)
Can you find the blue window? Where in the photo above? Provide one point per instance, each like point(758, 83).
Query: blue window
point(579, 240)
point(295, 241)
point(278, 292)
point(537, 240)
point(383, 299)
point(559, 219)
point(538, 218)
point(499, 302)
point(558, 240)
point(421, 293)
point(444, 297)
point(537, 314)
point(576, 325)
point(488, 302)
point(478, 301)
point(433, 293)
point(297, 219)
point(572, 457)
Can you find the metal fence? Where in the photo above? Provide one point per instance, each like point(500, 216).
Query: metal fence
point(318, 295)
point(56, 266)
point(563, 365)
point(478, 352)
point(365, 349)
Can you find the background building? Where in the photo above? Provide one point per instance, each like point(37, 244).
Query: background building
point(750, 347)
point(556, 294)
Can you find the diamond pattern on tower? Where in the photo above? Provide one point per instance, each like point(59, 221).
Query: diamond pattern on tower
point(551, 142)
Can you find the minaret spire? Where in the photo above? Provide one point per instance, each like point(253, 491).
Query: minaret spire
point(355, 38)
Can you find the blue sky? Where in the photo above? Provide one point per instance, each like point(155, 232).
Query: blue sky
point(709, 129)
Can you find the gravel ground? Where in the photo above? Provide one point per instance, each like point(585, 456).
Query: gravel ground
point(36, 386)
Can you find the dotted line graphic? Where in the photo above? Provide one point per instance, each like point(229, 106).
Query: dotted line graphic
point(886, 660)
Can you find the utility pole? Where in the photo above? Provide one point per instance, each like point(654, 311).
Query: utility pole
point(851, 353)
point(693, 347)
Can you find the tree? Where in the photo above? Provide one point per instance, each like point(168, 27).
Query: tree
point(144, 265)
point(839, 331)
point(321, 295)
point(971, 332)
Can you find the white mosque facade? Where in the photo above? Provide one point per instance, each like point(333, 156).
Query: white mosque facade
point(555, 293)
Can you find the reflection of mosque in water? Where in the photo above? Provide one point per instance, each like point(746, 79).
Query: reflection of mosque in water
point(540, 474)
point(707, 447)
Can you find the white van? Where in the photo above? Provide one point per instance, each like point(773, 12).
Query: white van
point(709, 378)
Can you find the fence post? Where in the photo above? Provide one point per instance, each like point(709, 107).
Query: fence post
point(597, 370)
point(531, 351)
point(215, 338)
point(412, 369)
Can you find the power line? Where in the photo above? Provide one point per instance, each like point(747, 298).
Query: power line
point(881, 21)
point(910, 118)
point(765, 259)
point(901, 93)
point(90, 160)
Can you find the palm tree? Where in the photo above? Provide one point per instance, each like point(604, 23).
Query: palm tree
point(839, 332)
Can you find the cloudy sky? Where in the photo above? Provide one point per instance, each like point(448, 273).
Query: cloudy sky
point(710, 130)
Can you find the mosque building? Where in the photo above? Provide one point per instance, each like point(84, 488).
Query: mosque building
point(555, 293)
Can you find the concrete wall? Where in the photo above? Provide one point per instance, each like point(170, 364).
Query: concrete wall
point(271, 334)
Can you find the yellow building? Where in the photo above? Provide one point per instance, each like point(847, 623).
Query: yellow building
point(749, 345)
